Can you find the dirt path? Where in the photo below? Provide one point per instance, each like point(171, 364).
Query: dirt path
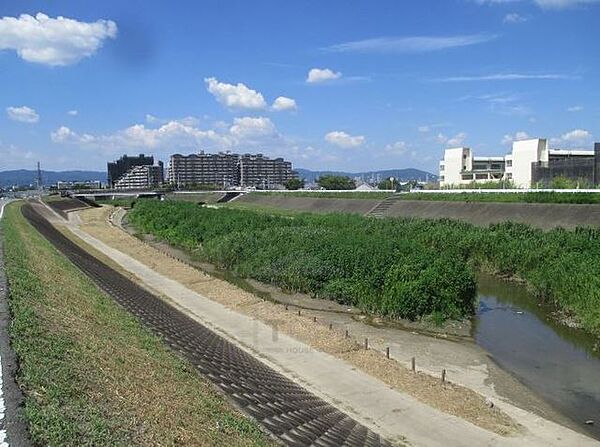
point(449, 398)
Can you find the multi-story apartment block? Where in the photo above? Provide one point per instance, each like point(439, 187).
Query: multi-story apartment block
point(140, 177)
point(530, 162)
point(117, 168)
point(227, 169)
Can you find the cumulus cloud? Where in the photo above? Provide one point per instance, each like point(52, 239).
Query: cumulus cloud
point(237, 96)
point(456, 140)
point(342, 139)
point(252, 127)
point(509, 139)
point(317, 75)
point(576, 136)
point(53, 41)
point(23, 114)
point(283, 103)
point(72, 113)
point(243, 132)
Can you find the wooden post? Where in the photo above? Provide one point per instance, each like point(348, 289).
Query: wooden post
point(330, 326)
point(443, 375)
point(298, 312)
point(346, 335)
point(412, 364)
point(387, 352)
point(286, 307)
point(366, 343)
point(315, 319)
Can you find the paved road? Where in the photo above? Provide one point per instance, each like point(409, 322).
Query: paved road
point(13, 429)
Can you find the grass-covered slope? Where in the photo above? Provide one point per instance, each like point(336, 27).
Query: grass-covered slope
point(395, 267)
point(90, 373)
point(508, 197)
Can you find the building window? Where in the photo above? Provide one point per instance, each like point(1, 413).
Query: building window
point(509, 163)
point(441, 178)
point(481, 176)
point(509, 176)
point(441, 167)
point(467, 176)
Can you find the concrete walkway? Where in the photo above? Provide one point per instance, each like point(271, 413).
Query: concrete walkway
point(393, 414)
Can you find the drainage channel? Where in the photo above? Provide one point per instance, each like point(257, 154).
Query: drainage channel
point(285, 409)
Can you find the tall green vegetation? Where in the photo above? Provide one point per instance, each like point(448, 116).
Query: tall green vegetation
point(336, 182)
point(379, 266)
point(394, 267)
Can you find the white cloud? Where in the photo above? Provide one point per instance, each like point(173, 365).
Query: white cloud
point(456, 140)
point(575, 109)
point(251, 127)
point(414, 44)
point(424, 129)
point(283, 103)
point(23, 114)
point(60, 41)
point(397, 148)
point(506, 77)
point(72, 113)
point(243, 132)
point(514, 17)
point(342, 139)
point(575, 136)
point(237, 96)
point(316, 75)
point(509, 139)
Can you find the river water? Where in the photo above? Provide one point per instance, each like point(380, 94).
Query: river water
point(561, 364)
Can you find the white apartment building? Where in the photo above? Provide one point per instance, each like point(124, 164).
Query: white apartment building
point(461, 168)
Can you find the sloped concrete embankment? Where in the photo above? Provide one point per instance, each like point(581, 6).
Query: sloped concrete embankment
point(310, 204)
point(540, 215)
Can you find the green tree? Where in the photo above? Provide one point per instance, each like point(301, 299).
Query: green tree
point(387, 184)
point(294, 183)
point(336, 182)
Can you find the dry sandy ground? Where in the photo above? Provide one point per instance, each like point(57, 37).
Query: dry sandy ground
point(448, 397)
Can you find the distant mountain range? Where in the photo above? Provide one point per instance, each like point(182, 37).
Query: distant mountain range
point(24, 177)
point(402, 175)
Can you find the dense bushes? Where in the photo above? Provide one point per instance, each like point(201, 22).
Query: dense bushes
point(376, 265)
point(395, 267)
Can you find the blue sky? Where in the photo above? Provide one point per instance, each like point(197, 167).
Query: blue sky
point(353, 85)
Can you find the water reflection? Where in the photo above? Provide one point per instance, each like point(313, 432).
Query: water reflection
point(556, 361)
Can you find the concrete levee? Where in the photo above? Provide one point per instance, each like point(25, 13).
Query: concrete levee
point(310, 204)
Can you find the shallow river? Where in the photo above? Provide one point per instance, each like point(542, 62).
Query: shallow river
point(557, 362)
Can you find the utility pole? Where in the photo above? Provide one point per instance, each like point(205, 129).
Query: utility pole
point(39, 183)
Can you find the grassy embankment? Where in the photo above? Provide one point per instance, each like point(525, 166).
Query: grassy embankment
point(510, 197)
point(375, 195)
point(93, 375)
point(406, 268)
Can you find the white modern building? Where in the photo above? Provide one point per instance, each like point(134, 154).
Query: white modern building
point(461, 168)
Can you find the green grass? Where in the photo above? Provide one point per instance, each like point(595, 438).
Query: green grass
point(362, 195)
point(407, 268)
point(90, 373)
point(509, 197)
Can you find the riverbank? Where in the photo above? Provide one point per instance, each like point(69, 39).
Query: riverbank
point(90, 373)
point(466, 363)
